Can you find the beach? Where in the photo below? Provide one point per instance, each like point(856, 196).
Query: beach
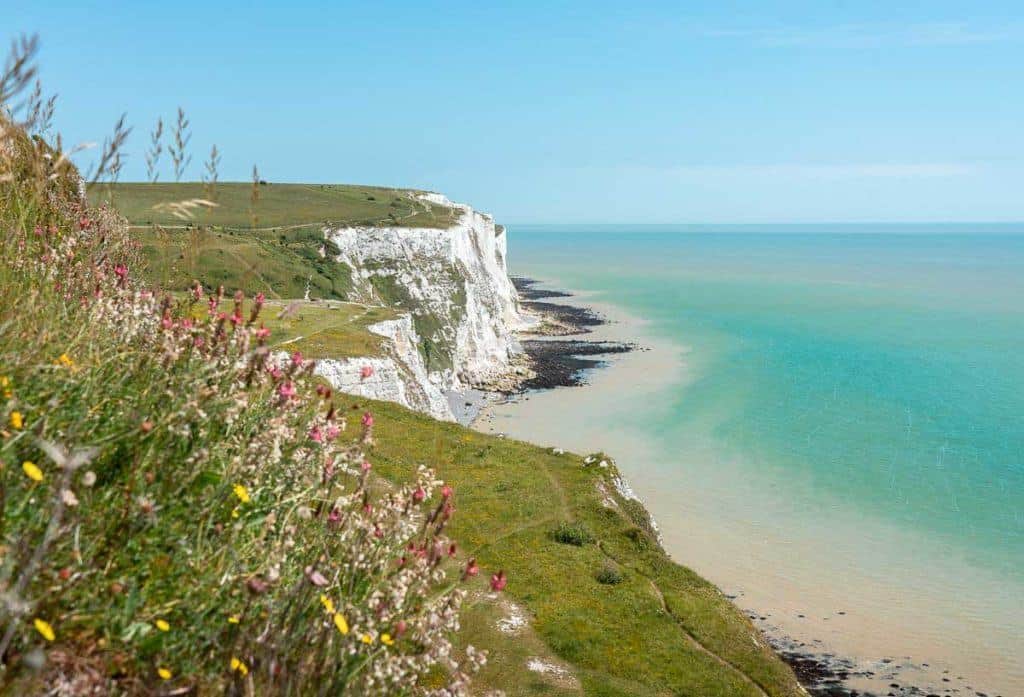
point(834, 595)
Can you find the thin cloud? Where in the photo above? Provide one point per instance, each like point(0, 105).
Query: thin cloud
point(873, 35)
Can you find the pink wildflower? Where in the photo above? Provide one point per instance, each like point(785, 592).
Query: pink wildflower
point(334, 516)
point(452, 550)
point(297, 359)
point(315, 577)
point(260, 299)
point(316, 435)
point(471, 569)
point(498, 581)
point(262, 332)
point(446, 492)
point(332, 432)
point(287, 390)
point(366, 371)
point(419, 495)
point(367, 420)
point(365, 466)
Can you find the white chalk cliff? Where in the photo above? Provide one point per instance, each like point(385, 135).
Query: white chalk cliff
point(462, 309)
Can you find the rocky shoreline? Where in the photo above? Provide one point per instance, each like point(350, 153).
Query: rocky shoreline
point(560, 362)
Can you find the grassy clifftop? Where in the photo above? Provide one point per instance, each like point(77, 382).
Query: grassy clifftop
point(277, 205)
point(275, 245)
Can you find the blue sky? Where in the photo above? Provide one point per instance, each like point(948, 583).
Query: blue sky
point(573, 111)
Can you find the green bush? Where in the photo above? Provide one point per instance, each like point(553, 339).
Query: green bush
point(572, 534)
point(609, 574)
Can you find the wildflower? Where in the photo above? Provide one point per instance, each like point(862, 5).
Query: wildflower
point(400, 628)
point(366, 371)
point(122, 271)
point(340, 623)
point(17, 421)
point(452, 550)
point(237, 665)
point(386, 639)
point(332, 432)
point(242, 493)
point(327, 603)
point(44, 628)
point(498, 581)
point(287, 390)
point(419, 495)
point(69, 498)
point(234, 512)
point(297, 359)
point(65, 360)
point(446, 492)
point(366, 639)
point(146, 426)
point(262, 332)
point(315, 577)
point(164, 673)
point(366, 466)
point(367, 420)
point(260, 299)
point(316, 435)
point(257, 586)
point(234, 619)
point(162, 625)
point(5, 385)
point(89, 478)
point(32, 471)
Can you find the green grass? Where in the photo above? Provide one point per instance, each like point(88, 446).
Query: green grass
point(283, 255)
point(279, 205)
point(325, 329)
point(662, 630)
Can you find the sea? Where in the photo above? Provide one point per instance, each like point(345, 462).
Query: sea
point(840, 437)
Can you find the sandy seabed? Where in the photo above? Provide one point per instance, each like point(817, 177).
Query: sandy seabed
point(859, 593)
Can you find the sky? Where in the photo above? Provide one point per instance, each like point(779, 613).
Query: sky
point(706, 111)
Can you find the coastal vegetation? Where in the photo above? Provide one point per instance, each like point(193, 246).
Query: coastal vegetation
point(184, 507)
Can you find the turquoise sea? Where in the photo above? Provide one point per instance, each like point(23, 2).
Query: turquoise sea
point(871, 374)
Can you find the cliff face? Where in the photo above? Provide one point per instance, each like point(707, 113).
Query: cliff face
point(463, 310)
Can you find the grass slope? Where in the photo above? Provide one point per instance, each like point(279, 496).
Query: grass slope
point(662, 630)
point(279, 205)
point(283, 255)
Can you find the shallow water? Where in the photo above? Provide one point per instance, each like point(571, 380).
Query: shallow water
point(835, 423)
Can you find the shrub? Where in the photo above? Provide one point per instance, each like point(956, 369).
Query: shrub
point(609, 574)
point(640, 538)
point(572, 534)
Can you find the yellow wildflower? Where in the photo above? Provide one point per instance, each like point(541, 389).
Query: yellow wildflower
point(234, 512)
point(17, 421)
point(32, 471)
point(234, 619)
point(162, 625)
point(387, 640)
point(5, 385)
point(242, 493)
point(44, 628)
point(238, 665)
point(163, 673)
point(65, 360)
point(327, 603)
point(366, 639)
point(340, 623)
